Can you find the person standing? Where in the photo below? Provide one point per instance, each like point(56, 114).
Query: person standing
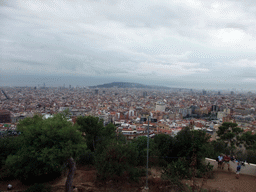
point(220, 161)
point(238, 169)
point(226, 161)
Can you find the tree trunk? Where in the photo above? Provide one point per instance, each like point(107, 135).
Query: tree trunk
point(71, 173)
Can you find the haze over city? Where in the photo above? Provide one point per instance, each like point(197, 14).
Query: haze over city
point(189, 44)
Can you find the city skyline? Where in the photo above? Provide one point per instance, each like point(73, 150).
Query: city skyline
point(181, 44)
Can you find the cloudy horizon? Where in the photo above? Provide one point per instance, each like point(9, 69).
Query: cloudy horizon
point(203, 44)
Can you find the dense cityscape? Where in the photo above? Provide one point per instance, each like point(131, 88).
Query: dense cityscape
point(170, 110)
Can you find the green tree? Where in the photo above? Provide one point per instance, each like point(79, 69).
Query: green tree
point(117, 160)
point(189, 153)
point(189, 142)
point(8, 146)
point(249, 140)
point(140, 144)
point(251, 156)
point(215, 148)
point(95, 132)
point(166, 146)
point(229, 133)
point(45, 146)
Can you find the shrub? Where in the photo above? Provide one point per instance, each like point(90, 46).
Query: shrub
point(251, 156)
point(135, 174)
point(204, 170)
point(116, 160)
point(177, 169)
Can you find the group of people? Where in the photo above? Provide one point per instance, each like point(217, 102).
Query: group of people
point(225, 159)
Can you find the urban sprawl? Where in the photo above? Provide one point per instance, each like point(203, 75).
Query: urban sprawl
point(168, 111)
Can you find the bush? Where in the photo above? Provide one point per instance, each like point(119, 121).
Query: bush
point(178, 169)
point(204, 170)
point(140, 145)
point(116, 160)
point(143, 172)
point(39, 188)
point(241, 155)
point(8, 146)
point(134, 174)
point(251, 156)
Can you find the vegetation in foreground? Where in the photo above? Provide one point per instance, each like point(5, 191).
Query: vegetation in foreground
point(43, 149)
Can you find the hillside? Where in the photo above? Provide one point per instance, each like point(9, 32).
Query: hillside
point(131, 85)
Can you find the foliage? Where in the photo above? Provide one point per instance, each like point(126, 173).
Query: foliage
point(86, 158)
point(204, 170)
point(176, 171)
point(229, 133)
point(95, 133)
point(38, 187)
point(140, 145)
point(179, 169)
point(241, 155)
point(120, 138)
point(218, 146)
point(250, 140)
point(251, 156)
point(189, 142)
point(166, 146)
point(116, 160)
point(45, 145)
point(209, 151)
point(8, 146)
point(190, 148)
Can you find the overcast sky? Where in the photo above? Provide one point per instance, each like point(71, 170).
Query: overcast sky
point(179, 43)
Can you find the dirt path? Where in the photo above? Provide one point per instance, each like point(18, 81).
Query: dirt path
point(85, 181)
point(226, 181)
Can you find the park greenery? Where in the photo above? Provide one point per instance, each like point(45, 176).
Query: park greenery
point(48, 147)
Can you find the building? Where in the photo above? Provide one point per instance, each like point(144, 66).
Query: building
point(214, 108)
point(5, 116)
point(160, 106)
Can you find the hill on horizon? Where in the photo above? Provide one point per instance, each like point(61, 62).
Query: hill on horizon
point(130, 85)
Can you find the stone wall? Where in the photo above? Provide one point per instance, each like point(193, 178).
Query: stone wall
point(248, 169)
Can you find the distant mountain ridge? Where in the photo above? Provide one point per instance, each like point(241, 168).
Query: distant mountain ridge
point(129, 85)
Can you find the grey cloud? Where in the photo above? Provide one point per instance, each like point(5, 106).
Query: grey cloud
point(114, 38)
